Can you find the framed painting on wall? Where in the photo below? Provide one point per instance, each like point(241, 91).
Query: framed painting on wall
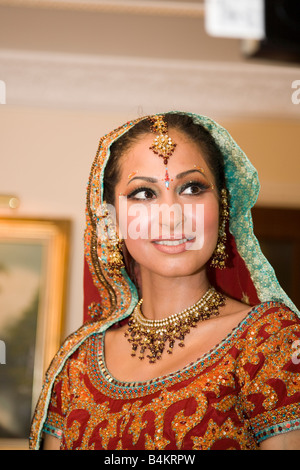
point(33, 286)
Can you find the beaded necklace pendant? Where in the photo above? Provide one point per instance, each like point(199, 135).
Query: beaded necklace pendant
point(153, 335)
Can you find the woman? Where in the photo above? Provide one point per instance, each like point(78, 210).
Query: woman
point(205, 359)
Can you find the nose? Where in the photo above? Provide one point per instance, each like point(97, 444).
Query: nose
point(171, 216)
point(166, 220)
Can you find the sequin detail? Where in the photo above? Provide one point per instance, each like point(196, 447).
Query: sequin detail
point(243, 391)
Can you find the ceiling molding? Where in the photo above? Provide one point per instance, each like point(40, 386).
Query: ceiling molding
point(144, 7)
point(120, 84)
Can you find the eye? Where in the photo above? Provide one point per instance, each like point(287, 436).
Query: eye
point(193, 188)
point(142, 194)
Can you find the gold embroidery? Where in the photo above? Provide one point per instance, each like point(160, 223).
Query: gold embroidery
point(207, 405)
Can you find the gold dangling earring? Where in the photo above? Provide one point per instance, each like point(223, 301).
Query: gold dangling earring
point(220, 255)
point(115, 257)
point(113, 244)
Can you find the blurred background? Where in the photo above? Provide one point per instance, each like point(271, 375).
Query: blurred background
point(71, 71)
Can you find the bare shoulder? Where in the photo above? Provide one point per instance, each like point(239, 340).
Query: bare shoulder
point(51, 442)
point(234, 310)
point(115, 333)
point(116, 345)
point(286, 441)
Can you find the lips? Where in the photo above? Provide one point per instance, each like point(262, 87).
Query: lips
point(173, 245)
point(171, 242)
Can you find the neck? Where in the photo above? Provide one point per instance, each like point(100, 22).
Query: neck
point(163, 296)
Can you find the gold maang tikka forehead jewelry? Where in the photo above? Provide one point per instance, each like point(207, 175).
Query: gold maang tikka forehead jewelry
point(163, 146)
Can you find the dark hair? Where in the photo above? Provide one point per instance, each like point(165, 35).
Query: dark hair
point(179, 121)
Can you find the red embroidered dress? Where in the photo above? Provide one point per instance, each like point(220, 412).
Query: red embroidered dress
point(245, 390)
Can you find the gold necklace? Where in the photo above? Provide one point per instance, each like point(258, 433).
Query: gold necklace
point(154, 334)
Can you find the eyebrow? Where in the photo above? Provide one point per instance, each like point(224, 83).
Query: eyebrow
point(143, 178)
point(149, 179)
point(185, 173)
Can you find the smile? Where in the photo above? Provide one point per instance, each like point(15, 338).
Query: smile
point(171, 242)
point(174, 246)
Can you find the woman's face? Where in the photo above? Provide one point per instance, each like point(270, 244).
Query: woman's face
point(169, 227)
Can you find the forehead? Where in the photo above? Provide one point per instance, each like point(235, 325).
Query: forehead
point(139, 157)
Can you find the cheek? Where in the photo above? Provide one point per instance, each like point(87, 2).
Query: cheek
point(134, 222)
point(136, 236)
point(205, 223)
point(202, 220)
point(211, 223)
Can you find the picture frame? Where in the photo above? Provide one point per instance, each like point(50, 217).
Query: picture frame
point(34, 254)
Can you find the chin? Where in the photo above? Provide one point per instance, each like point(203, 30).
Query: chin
point(174, 268)
point(170, 262)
